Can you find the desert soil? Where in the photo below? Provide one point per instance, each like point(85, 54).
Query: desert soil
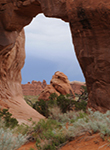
point(28, 146)
point(84, 142)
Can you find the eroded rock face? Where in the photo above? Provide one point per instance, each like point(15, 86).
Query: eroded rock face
point(11, 96)
point(77, 86)
point(48, 90)
point(59, 84)
point(33, 88)
point(90, 28)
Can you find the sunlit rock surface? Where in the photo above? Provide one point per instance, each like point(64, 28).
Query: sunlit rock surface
point(59, 84)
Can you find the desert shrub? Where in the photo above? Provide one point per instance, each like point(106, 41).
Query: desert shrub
point(30, 100)
point(70, 116)
point(42, 107)
point(9, 141)
point(51, 134)
point(64, 103)
point(8, 119)
point(54, 113)
point(81, 105)
point(45, 132)
point(52, 99)
point(23, 129)
point(84, 94)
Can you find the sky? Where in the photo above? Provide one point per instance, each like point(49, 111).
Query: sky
point(49, 49)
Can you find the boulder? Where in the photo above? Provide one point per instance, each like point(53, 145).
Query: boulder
point(49, 89)
point(59, 84)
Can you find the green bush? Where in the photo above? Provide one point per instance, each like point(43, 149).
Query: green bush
point(52, 99)
point(49, 147)
point(52, 134)
point(64, 103)
point(42, 107)
point(8, 119)
point(84, 94)
point(45, 132)
point(81, 105)
point(10, 139)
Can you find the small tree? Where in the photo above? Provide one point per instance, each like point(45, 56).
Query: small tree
point(42, 107)
point(64, 103)
point(84, 94)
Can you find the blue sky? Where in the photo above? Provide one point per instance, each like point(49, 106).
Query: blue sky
point(49, 49)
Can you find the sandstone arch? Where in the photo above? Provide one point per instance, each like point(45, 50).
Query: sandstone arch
point(90, 28)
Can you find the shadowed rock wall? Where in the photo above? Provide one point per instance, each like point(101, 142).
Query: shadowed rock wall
point(90, 27)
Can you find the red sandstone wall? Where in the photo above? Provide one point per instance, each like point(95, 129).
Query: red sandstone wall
point(36, 87)
point(76, 86)
point(33, 88)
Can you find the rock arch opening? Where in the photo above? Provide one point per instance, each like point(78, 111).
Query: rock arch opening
point(49, 49)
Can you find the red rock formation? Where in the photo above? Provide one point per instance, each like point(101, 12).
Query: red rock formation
point(90, 28)
point(59, 84)
point(49, 89)
point(33, 88)
point(76, 86)
point(10, 83)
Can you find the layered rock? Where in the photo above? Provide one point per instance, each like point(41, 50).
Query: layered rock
point(77, 86)
point(48, 90)
point(90, 27)
point(59, 84)
point(33, 88)
point(10, 83)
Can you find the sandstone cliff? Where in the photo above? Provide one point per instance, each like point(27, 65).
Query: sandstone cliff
point(90, 28)
point(33, 88)
point(10, 83)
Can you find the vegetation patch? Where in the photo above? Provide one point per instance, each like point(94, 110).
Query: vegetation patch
point(66, 119)
point(10, 139)
point(7, 118)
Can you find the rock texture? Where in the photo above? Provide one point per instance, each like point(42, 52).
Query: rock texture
point(76, 86)
point(10, 83)
point(49, 89)
point(59, 84)
point(90, 27)
point(33, 88)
